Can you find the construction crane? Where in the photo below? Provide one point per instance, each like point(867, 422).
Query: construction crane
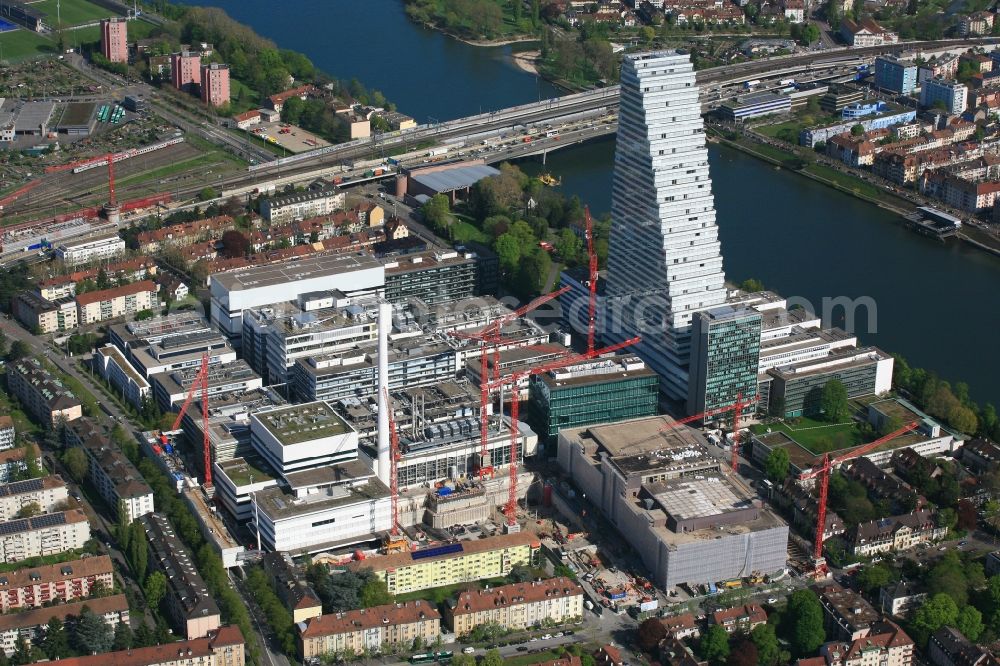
point(823, 473)
point(515, 408)
point(489, 336)
point(200, 382)
point(591, 281)
point(395, 542)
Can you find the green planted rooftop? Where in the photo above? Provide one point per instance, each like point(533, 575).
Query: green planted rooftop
point(303, 423)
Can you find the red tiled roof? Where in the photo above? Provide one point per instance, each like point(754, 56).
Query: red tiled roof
point(193, 650)
point(339, 623)
point(477, 601)
point(125, 290)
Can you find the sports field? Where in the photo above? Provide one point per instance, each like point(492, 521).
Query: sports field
point(72, 12)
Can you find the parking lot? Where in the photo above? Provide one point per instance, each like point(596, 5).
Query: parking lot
point(292, 138)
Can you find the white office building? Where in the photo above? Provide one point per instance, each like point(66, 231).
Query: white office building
point(665, 261)
point(952, 94)
point(85, 250)
point(300, 437)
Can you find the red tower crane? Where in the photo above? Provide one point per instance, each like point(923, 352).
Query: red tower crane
point(489, 336)
point(823, 473)
point(591, 281)
point(200, 381)
point(515, 407)
point(393, 468)
point(736, 408)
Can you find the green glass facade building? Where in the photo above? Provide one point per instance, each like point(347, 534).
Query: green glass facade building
point(725, 355)
point(600, 391)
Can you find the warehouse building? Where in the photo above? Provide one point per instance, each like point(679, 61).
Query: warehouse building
point(451, 564)
point(516, 606)
point(368, 630)
point(33, 587)
point(664, 493)
point(190, 605)
point(603, 390)
point(43, 535)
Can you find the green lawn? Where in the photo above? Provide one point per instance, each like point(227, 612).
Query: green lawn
point(847, 181)
point(19, 45)
point(819, 436)
point(463, 232)
point(528, 659)
point(89, 35)
point(72, 12)
point(773, 130)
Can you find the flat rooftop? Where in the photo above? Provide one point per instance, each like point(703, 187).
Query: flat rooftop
point(469, 547)
point(597, 371)
point(698, 498)
point(278, 504)
point(424, 261)
point(32, 115)
point(240, 470)
point(270, 275)
point(345, 472)
point(303, 423)
point(456, 178)
point(838, 359)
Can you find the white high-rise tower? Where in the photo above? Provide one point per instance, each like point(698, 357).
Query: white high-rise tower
point(664, 260)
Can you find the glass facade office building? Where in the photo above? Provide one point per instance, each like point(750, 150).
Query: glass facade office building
point(664, 260)
point(725, 355)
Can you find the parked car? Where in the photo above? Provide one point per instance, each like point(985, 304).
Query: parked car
point(468, 650)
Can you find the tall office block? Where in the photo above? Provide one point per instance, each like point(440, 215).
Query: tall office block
point(725, 354)
point(114, 39)
point(665, 261)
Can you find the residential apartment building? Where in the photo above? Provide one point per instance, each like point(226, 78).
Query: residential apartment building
point(885, 645)
point(902, 598)
point(301, 205)
point(30, 625)
point(85, 250)
point(948, 647)
point(113, 475)
point(741, 619)
point(183, 233)
point(895, 533)
point(847, 616)
point(47, 584)
point(474, 560)
point(951, 94)
point(95, 306)
point(61, 286)
point(185, 70)
point(112, 365)
point(224, 647)
point(515, 606)
point(367, 630)
point(895, 75)
point(114, 39)
point(40, 315)
point(215, 84)
point(189, 603)
point(45, 534)
point(42, 395)
point(43, 493)
point(14, 461)
point(7, 436)
point(943, 67)
point(664, 247)
point(866, 32)
point(299, 598)
point(975, 24)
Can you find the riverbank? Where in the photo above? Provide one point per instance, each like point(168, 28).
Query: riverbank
point(527, 61)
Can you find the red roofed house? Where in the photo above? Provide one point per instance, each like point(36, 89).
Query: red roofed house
point(608, 655)
point(278, 100)
point(886, 645)
point(741, 618)
point(222, 647)
point(246, 120)
point(680, 626)
point(107, 304)
point(369, 629)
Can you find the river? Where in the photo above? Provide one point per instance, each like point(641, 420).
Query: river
point(936, 304)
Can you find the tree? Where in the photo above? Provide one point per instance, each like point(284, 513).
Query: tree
point(155, 588)
point(56, 642)
point(714, 645)
point(375, 593)
point(18, 350)
point(936, 612)
point(508, 251)
point(28, 510)
point(967, 518)
point(805, 615)
point(207, 194)
point(752, 285)
point(834, 401)
point(776, 465)
point(535, 267)
point(102, 279)
point(650, 633)
point(964, 419)
point(437, 212)
point(137, 553)
point(970, 623)
point(874, 576)
point(648, 34)
point(235, 244)
point(92, 635)
point(123, 637)
point(75, 461)
point(3, 346)
point(858, 130)
point(569, 246)
point(768, 648)
point(492, 658)
point(745, 654)
point(810, 33)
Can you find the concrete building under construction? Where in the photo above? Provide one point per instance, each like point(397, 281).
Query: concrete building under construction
point(668, 497)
